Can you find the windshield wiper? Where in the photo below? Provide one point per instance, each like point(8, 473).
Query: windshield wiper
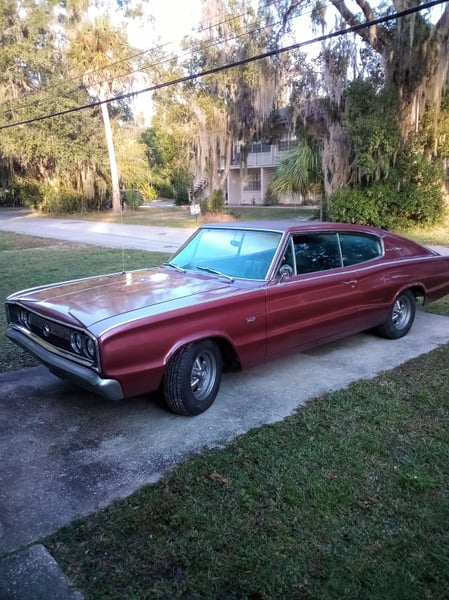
point(173, 266)
point(214, 272)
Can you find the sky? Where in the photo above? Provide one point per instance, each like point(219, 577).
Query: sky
point(173, 19)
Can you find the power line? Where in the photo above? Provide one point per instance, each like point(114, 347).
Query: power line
point(51, 88)
point(234, 64)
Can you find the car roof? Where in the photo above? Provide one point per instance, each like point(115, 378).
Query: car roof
point(295, 226)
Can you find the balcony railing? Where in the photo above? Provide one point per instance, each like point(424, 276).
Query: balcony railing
point(264, 155)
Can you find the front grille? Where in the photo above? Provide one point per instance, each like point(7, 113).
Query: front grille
point(52, 333)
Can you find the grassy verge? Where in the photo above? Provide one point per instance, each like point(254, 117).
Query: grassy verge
point(29, 261)
point(179, 216)
point(346, 499)
point(437, 235)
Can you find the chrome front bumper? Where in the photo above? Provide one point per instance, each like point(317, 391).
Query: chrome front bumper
point(66, 369)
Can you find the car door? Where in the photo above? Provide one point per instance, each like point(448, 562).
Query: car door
point(318, 302)
point(363, 252)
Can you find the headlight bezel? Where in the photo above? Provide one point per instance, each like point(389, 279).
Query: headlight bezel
point(24, 318)
point(84, 345)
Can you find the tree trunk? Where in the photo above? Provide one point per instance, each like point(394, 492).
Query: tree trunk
point(116, 204)
point(335, 159)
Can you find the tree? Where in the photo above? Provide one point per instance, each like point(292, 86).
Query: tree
point(415, 53)
point(61, 152)
point(408, 55)
point(298, 172)
point(26, 53)
point(100, 54)
point(234, 105)
point(169, 146)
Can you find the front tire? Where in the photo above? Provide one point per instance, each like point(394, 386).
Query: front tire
point(193, 377)
point(401, 317)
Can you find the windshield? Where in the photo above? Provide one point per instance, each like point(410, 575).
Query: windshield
point(236, 253)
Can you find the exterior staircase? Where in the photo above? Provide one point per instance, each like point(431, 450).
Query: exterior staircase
point(197, 188)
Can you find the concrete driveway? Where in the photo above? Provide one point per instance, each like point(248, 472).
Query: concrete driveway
point(66, 453)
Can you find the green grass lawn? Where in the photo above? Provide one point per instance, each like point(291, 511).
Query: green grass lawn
point(179, 216)
point(438, 235)
point(347, 498)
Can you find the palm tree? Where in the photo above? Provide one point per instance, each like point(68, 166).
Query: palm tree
point(298, 172)
point(100, 53)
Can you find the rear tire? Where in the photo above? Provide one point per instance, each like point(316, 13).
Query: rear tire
point(193, 377)
point(402, 315)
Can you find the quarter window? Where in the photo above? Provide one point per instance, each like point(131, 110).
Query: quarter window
point(356, 248)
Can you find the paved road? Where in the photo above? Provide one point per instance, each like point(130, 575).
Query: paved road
point(112, 235)
point(66, 453)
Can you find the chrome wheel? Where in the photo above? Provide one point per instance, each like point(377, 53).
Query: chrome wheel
point(192, 377)
point(204, 374)
point(402, 310)
point(401, 317)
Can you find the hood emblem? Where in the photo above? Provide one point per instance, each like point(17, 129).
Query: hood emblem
point(46, 330)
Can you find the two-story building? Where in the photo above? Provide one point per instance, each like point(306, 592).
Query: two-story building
point(249, 177)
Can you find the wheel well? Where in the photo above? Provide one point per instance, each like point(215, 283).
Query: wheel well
point(419, 292)
point(231, 360)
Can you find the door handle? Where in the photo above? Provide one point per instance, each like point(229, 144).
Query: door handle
point(351, 282)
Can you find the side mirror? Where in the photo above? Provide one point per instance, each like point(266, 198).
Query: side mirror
point(285, 272)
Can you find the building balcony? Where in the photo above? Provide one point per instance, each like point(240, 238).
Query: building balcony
point(263, 155)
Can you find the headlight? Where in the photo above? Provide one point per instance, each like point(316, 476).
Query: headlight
point(76, 342)
point(83, 345)
point(24, 318)
point(89, 347)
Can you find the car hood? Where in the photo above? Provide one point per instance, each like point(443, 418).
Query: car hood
point(94, 299)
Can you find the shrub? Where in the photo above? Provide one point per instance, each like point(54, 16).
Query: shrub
point(149, 191)
point(61, 201)
point(181, 181)
point(181, 195)
point(411, 195)
point(216, 201)
point(29, 194)
point(271, 198)
point(10, 197)
point(133, 199)
point(164, 189)
point(352, 205)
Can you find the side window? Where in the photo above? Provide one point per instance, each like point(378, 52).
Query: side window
point(357, 248)
point(316, 252)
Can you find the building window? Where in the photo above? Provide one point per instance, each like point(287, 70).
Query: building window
point(258, 147)
point(252, 182)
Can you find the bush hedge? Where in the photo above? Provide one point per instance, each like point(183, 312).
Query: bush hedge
point(411, 195)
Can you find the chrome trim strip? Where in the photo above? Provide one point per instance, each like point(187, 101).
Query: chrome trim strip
point(67, 369)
